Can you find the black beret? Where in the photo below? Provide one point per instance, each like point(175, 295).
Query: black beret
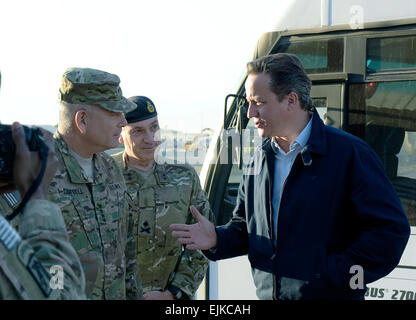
point(145, 109)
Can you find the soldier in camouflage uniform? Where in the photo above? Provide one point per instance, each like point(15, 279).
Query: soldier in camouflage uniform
point(89, 187)
point(164, 194)
point(27, 257)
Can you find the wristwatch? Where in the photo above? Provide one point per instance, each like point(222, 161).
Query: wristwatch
point(177, 293)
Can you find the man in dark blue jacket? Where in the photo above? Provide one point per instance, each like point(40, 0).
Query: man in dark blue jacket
point(315, 211)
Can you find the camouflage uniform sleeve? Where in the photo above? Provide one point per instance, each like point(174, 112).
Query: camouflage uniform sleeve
point(193, 264)
point(43, 228)
point(133, 281)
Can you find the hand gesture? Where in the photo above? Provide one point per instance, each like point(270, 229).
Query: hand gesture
point(200, 235)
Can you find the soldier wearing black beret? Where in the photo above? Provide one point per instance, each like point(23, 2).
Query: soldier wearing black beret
point(164, 194)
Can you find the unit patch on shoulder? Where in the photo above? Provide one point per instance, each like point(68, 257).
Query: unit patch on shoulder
point(40, 274)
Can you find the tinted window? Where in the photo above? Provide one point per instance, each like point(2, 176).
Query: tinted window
point(384, 115)
point(317, 56)
point(391, 53)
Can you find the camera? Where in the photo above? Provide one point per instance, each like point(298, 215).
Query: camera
point(34, 140)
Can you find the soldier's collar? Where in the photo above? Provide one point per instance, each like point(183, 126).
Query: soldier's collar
point(134, 173)
point(71, 164)
point(125, 160)
point(158, 170)
point(129, 164)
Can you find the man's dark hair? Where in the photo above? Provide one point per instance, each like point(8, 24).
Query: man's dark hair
point(287, 75)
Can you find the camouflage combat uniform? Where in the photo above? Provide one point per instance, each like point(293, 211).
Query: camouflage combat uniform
point(164, 198)
point(26, 257)
point(99, 223)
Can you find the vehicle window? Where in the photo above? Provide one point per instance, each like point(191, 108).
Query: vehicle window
point(384, 115)
point(317, 56)
point(391, 53)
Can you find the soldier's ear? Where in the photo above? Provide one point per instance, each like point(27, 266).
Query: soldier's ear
point(120, 139)
point(81, 121)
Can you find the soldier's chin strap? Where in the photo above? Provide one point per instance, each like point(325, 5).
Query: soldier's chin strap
point(43, 154)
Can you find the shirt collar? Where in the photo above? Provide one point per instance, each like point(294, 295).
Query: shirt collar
point(300, 140)
point(303, 137)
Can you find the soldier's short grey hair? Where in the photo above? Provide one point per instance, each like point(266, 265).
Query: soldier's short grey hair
point(67, 115)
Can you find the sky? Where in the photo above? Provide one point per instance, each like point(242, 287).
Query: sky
point(184, 55)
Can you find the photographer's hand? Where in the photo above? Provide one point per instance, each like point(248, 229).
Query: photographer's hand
point(27, 164)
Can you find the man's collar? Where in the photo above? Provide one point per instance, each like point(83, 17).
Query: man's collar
point(71, 164)
point(128, 164)
point(301, 140)
point(132, 174)
point(101, 174)
point(303, 137)
point(317, 138)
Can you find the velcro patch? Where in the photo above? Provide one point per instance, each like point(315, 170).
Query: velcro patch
point(8, 235)
point(39, 273)
point(12, 199)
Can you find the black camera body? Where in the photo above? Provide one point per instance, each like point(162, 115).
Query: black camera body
point(34, 140)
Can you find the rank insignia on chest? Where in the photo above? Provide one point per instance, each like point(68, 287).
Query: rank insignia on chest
point(115, 186)
point(145, 229)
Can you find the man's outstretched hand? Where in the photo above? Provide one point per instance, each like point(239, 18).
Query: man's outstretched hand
point(200, 235)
